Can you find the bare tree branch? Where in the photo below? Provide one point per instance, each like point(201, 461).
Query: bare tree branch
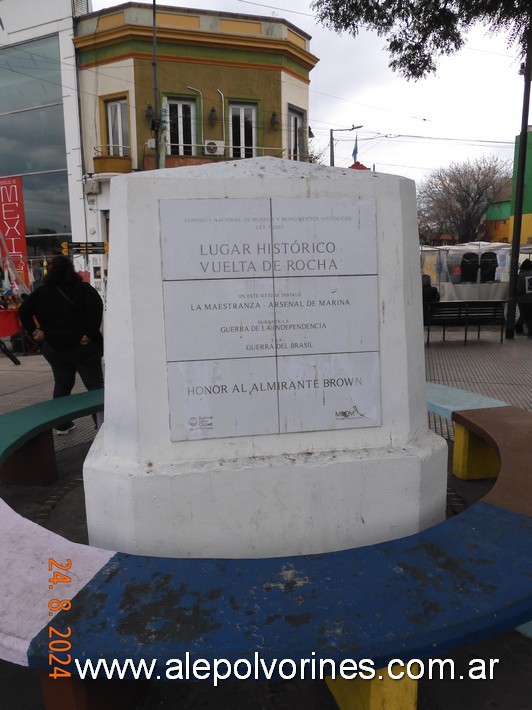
point(454, 200)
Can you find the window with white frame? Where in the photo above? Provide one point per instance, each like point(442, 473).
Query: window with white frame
point(117, 127)
point(243, 130)
point(181, 128)
point(295, 131)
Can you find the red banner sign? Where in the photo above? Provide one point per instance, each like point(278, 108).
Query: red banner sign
point(12, 224)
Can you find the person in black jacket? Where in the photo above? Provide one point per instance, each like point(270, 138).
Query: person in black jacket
point(430, 295)
point(65, 315)
point(430, 292)
point(524, 297)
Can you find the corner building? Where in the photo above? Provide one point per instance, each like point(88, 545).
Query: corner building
point(89, 95)
point(204, 87)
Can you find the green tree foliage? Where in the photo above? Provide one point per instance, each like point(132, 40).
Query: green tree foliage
point(454, 200)
point(420, 31)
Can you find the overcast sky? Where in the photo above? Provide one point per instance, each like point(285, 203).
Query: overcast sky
point(471, 107)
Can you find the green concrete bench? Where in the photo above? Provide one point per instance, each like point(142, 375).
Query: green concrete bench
point(27, 454)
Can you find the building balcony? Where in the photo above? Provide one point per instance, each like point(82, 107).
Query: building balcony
point(112, 159)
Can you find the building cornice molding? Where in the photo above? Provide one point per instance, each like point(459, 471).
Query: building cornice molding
point(121, 36)
point(256, 66)
point(197, 12)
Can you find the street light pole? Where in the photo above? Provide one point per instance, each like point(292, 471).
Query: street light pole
point(331, 140)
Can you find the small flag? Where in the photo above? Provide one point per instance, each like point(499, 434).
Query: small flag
point(355, 149)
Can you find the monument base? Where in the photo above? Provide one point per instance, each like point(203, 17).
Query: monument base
point(267, 395)
point(264, 506)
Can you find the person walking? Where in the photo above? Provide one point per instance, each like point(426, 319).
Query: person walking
point(65, 316)
point(430, 295)
point(524, 295)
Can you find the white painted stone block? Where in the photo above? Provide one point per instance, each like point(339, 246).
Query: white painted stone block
point(265, 382)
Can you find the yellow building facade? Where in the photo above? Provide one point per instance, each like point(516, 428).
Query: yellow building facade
point(223, 86)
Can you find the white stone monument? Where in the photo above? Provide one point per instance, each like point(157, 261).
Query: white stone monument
point(265, 378)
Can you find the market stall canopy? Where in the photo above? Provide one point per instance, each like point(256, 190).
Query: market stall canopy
point(470, 271)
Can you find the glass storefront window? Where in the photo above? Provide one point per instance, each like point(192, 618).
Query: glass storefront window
point(30, 75)
point(32, 140)
point(45, 209)
point(48, 245)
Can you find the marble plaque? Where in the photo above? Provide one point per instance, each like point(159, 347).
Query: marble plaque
point(271, 315)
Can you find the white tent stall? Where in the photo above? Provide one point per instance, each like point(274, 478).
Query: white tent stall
point(475, 271)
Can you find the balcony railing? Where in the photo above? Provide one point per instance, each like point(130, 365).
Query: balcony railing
point(112, 159)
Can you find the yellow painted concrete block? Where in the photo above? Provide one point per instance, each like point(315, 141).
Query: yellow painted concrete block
point(167, 19)
point(297, 39)
point(381, 693)
point(240, 27)
point(473, 458)
point(107, 22)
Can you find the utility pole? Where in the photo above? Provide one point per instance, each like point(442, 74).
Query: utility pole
point(156, 122)
point(519, 192)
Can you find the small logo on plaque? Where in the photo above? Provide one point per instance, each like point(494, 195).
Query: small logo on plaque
point(200, 423)
point(348, 414)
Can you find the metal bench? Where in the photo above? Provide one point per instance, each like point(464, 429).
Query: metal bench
point(466, 314)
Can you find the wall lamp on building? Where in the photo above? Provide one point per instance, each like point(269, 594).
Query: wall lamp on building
point(213, 117)
point(274, 121)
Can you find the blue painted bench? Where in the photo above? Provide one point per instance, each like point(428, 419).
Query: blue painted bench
point(27, 454)
point(459, 582)
point(411, 598)
point(444, 400)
